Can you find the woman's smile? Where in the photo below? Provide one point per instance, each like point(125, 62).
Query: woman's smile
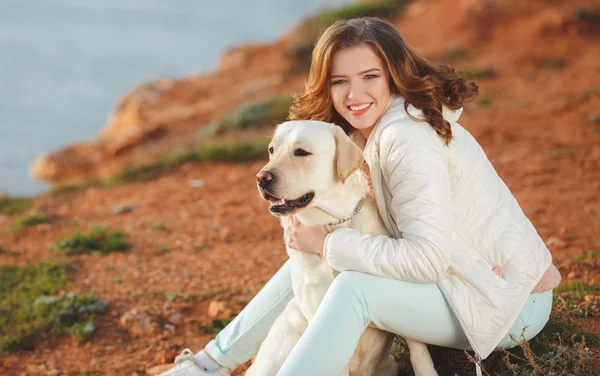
point(358, 109)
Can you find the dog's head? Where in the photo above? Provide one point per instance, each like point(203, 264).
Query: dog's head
point(306, 160)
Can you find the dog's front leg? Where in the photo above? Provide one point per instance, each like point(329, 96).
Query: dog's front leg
point(420, 358)
point(281, 339)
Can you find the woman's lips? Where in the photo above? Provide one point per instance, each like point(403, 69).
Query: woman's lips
point(361, 111)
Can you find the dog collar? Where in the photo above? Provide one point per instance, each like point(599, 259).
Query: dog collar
point(354, 213)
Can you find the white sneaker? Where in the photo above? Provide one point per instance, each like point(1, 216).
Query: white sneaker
point(185, 365)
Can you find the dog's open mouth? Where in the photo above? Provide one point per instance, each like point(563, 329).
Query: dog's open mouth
point(283, 206)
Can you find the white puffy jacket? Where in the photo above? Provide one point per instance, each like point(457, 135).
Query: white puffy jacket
point(453, 220)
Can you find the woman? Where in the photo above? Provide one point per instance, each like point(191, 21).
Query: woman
point(464, 269)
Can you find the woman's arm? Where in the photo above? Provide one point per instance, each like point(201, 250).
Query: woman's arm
point(414, 161)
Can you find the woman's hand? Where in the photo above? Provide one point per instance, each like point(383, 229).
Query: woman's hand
point(304, 238)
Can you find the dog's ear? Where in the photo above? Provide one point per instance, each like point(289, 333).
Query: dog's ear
point(348, 156)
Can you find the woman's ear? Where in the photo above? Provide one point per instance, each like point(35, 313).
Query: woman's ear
point(348, 156)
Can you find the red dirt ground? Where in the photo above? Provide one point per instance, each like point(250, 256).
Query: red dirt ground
point(538, 130)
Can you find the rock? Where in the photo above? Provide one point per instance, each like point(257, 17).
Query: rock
point(68, 165)
point(218, 309)
point(163, 357)
point(235, 58)
point(225, 234)
point(176, 318)
point(196, 183)
point(138, 322)
point(122, 209)
point(593, 118)
point(34, 368)
point(554, 241)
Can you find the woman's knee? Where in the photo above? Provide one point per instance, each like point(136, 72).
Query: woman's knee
point(348, 290)
point(348, 282)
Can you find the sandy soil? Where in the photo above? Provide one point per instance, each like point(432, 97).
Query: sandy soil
point(538, 130)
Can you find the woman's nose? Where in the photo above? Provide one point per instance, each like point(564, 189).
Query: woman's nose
point(355, 90)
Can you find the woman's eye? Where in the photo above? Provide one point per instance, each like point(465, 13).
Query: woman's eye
point(369, 76)
point(301, 153)
point(271, 150)
point(338, 82)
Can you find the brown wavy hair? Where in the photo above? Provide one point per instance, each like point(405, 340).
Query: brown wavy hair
point(427, 87)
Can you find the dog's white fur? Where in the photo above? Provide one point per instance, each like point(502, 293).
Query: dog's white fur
point(331, 172)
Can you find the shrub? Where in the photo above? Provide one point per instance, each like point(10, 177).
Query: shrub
point(28, 310)
point(14, 205)
point(97, 240)
point(476, 73)
point(9, 252)
point(30, 220)
point(560, 349)
point(235, 152)
point(268, 112)
point(308, 32)
point(552, 63)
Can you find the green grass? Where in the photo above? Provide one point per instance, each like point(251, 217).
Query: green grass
point(303, 41)
point(476, 73)
point(161, 248)
point(28, 309)
point(9, 252)
point(455, 53)
point(159, 226)
point(97, 240)
point(215, 326)
point(14, 205)
point(585, 255)
point(30, 220)
point(267, 112)
point(237, 152)
point(562, 348)
point(552, 63)
point(576, 289)
point(483, 100)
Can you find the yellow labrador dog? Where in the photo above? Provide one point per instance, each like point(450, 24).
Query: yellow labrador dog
point(313, 174)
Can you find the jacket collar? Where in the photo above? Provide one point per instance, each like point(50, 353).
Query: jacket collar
point(394, 111)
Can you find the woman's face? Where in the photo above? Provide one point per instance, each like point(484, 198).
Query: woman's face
point(360, 89)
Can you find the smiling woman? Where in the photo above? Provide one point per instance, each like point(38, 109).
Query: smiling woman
point(459, 261)
point(360, 88)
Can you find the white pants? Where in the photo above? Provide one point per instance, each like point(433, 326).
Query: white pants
point(355, 300)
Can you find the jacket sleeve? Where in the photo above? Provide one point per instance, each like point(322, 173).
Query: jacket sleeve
point(414, 164)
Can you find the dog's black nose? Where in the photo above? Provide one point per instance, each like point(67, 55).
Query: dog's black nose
point(264, 178)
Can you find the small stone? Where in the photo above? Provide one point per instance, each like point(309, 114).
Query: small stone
point(589, 298)
point(593, 118)
point(571, 274)
point(176, 318)
point(196, 183)
point(138, 322)
point(218, 309)
point(34, 368)
point(122, 209)
point(53, 372)
point(554, 241)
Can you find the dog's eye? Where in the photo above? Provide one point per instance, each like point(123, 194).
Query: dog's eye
point(301, 153)
point(271, 150)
